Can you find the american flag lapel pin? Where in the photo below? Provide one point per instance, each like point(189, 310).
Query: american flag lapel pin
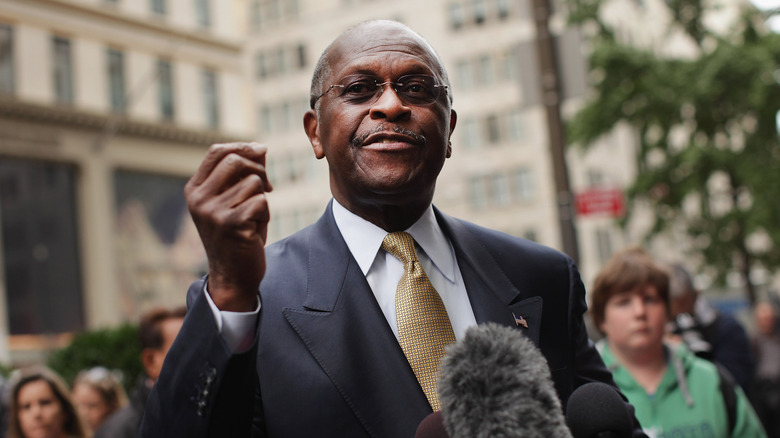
point(520, 321)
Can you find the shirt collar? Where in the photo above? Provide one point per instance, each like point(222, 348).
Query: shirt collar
point(364, 239)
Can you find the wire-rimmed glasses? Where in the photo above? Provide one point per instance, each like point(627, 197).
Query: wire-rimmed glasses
point(362, 89)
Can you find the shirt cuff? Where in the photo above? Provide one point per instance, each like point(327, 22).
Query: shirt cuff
point(236, 328)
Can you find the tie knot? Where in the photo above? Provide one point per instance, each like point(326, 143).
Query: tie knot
point(401, 245)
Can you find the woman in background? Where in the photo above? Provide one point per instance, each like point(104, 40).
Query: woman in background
point(41, 406)
point(674, 392)
point(98, 393)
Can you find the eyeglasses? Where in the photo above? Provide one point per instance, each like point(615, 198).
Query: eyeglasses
point(364, 89)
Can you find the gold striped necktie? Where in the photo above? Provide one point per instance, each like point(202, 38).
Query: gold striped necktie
point(423, 325)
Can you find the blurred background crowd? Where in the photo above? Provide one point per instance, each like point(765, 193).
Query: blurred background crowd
point(591, 127)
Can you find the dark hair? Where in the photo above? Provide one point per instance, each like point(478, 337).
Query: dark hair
point(626, 271)
point(150, 329)
point(73, 425)
point(680, 283)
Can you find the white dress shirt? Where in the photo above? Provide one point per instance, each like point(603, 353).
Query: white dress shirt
point(383, 272)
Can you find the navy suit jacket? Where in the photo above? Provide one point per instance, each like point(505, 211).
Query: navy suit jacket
point(325, 360)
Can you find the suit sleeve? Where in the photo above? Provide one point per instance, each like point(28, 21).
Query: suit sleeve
point(203, 390)
point(587, 361)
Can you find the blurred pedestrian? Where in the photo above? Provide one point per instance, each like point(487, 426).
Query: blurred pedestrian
point(41, 406)
point(674, 392)
point(157, 331)
point(766, 389)
point(98, 393)
point(710, 334)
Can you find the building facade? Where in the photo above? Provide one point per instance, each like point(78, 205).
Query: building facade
point(106, 108)
point(500, 174)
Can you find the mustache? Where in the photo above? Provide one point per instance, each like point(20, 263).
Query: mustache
point(358, 140)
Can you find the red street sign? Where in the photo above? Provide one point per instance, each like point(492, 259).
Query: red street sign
point(600, 201)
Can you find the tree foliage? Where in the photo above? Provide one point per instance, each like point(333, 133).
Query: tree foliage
point(115, 348)
point(707, 125)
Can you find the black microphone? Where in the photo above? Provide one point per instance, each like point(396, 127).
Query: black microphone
point(596, 410)
point(496, 383)
point(432, 426)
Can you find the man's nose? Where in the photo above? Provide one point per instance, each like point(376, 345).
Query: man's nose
point(389, 104)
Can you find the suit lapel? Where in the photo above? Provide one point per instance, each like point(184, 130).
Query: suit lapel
point(493, 297)
point(344, 329)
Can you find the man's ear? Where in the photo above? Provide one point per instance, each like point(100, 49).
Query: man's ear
point(312, 127)
point(453, 121)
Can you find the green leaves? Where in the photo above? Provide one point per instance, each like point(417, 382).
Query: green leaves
point(709, 154)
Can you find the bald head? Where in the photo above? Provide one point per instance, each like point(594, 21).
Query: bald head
point(367, 34)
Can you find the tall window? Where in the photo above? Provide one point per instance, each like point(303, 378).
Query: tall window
point(116, 79)
point(210, 97)
point(203, 12)
point(524, 184)
point(492, 128)
point(40, 247)
point(503, 8)
point(456, 16)
point(516, 125)
point(255, 15)
point(6, 59)
point(165, 89)
point(158, 7)
point(479, 10)
point(63, 70)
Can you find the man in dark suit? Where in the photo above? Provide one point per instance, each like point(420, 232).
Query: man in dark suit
point(321, 353)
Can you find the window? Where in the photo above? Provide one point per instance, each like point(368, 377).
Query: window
point(165, 89)
point(292, 9)
point(523, 184)
point(301, 52)
point(40, 247)
point(261, 69)
point(203, 12)
point(281, 60)
point(516, 131)
point(63, 71)
point(210, 98)
point(500, 188)
point(116, 80)
point(272, 11)
point(503, 8)
point(463, 74)
point(510, 70)
point(603, 245)
point(455, 11)
point(485, 69)
point(479, 10)
point(6, 59)
point(255, 15)
point(595, 177)
point(158, 7)
point(477, 192)
point(266, 120)
point(493, 129)
point(471, 136)
point(284, 116)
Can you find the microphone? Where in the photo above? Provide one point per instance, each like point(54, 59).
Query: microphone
point(596, 410)
point(432, 426)
point(496, 383)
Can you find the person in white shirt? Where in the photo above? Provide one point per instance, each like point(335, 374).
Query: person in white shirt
point(318, 351)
